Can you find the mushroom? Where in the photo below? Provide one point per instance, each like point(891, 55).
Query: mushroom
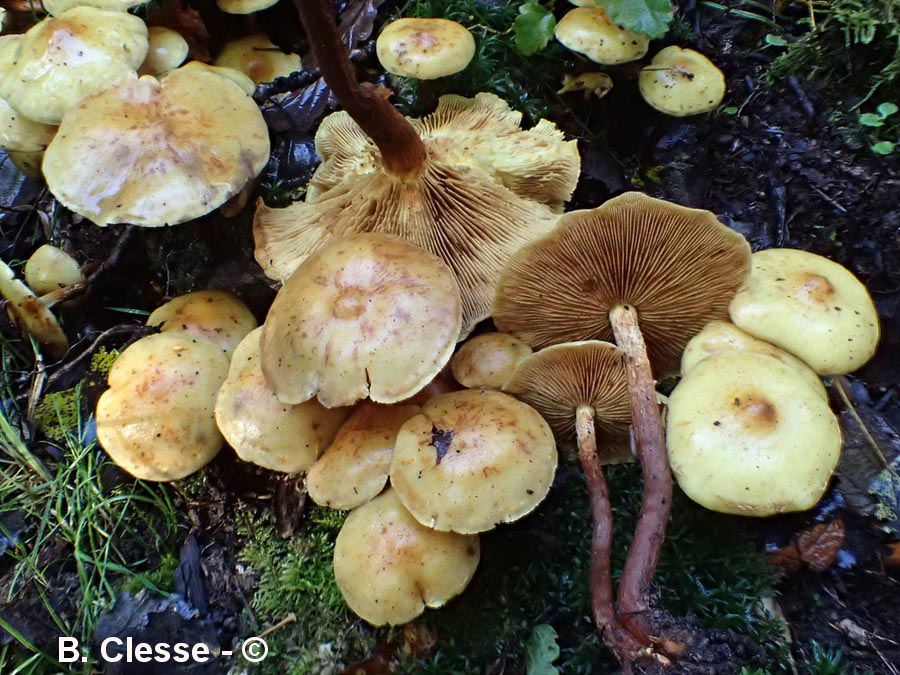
point(722, 336)
point(50, 268)
point(590, 31)
point(598, 84)
point(31, 315)
point(488, 360)
point(154, 152)
point(810, 306)
point(63, 59)
point(355, 466)
point(389, 567)
point(748, 436)
point(260, 428)
point(57, 7)
point(244, 6)
point(217, 316)
point(424, 49)
point(168, 50)
point(240, 79)
point(368, 315)
point(651, 274)
point(258, 58)
point(580, 389)
point(682, 82)
point(473, 459)
point(465, 182)
point(156, 419)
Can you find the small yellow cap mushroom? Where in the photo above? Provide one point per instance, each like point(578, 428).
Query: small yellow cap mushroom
point(263, 430)
point(590, 31)
point(721, 336)
point(31, 315)
point(156, 419)
point(258, 58)
point(682, 82)
point(425, 49)
point(50, 268)
point(355, 466)
point(244, 6)
point(747, 435)
point(57, 7)
point(598, 84)
point(487, 361)
point(389, 567)
point(168, 50)
point(473, 459)
point(217, 316)
point(810, 306)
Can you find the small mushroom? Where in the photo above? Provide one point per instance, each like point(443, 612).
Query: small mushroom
point(217, 316)
point(682, 82)
point(473, 459)
point(747, 435)
point(50, 268)
point(488, 360)
point(590, 31)
point(389, 567)
point(809, 306)
point(258, 58)
point(355, 466)
point(722, 336)
point(424, 49)
point(31, 315)
point(156, 419)
point(57, 7)
point(260, 428)
point(168, 50)
point(598, 84)
point(244, 6)
point(368, 315)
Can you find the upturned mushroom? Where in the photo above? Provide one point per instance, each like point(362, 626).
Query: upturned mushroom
point(722, 336)
point(156, 419)
point(590, 31)
point(424, 49)
point(30, 314)
point(153, 152)
point(746, 435)
point(487, 361)
point(580, 389)
point(809, 306)
point(258, 58)
point(355, 467)
point(682, 82)
point(389, 567)
point(366, 316)
point(261, 429)
point(650, 274)
point(472, 460)
point(466, 173)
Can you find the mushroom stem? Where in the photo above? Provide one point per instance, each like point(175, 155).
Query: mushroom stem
point(402, 151)
point(602, 605)
point(643, 555)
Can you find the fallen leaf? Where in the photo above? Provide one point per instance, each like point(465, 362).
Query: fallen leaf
point(418, 640)
point(819, 545)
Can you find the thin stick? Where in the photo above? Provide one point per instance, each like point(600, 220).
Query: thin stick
point(402, 151)
point(643, 556)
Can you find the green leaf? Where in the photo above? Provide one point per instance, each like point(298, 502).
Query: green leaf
point(887, 109)
point(884, 147)
point(730, 110)
point(533, 28)
point(541, 651)
point(871, 120)
point(775, 40)
point(647, 17)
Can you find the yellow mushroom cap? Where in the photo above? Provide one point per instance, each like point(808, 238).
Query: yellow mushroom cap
point(488, 360)
point(50, 268)
point(260, 428)
point(57, 7)
point(31, 315)
point(598, 84)
point(244, 6)
point(473, 459)
point(747, 435)
point(236, 76)
point(155, 152)
point(63, 59)
point(355, 466)
point(217, 316)
point(389, 567)
point(682, 82)
point(810, 306)
point(168, 50)
point(722, 336)
point(368, 315)
point(257, 57)
point(17, 132)
point(425, 49)
point(156, 419)
point(590, 31)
